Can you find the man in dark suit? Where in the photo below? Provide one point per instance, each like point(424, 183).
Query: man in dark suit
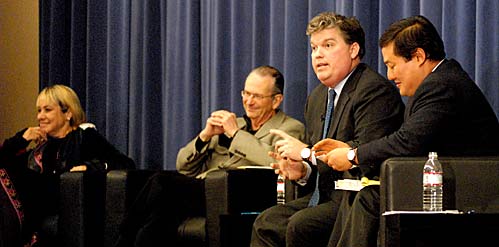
point(446, 112)
point(366, 107)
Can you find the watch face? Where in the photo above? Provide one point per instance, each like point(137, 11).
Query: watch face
point(351, 154)
point(305, 153)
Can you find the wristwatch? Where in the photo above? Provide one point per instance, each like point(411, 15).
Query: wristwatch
point(352, 153)
point(305, 153)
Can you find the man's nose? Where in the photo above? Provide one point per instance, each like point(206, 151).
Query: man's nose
point(389, 75)
point(317, 52)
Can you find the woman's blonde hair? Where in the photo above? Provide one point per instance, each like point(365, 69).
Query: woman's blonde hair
point(67, 99)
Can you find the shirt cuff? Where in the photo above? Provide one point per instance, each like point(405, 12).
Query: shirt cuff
point(313, 159)
point(303, 181)
point(200, 144)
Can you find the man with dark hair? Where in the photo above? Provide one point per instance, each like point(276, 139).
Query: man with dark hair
point(366, 107)
point(446, 113)
point(168, 197)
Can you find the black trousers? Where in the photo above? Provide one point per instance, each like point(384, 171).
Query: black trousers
point(358, 219)
point(166, 200)
point(296, 224)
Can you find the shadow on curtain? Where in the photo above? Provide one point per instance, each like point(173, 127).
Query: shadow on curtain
point(150, 72)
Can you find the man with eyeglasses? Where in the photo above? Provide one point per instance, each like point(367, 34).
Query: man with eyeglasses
point(226, 141)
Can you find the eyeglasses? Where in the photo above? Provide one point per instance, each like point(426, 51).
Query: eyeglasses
point(256, 96)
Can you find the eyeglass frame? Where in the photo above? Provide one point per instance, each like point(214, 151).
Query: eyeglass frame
point(256, 96)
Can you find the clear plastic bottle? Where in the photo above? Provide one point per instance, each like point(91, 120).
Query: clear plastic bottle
point(281, 195)
point(432, 184)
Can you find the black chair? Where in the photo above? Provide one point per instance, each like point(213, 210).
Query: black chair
point(233, 199)
point(80, 222)
point(471, 185)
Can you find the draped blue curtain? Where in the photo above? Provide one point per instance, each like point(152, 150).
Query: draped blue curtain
point(150, 72)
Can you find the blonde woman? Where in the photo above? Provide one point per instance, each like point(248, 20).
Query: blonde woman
point(30, 177)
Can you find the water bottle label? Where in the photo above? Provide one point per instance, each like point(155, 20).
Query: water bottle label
point(432, 178)
point(280, 187)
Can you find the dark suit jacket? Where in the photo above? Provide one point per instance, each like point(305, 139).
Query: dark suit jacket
point(368, 108)
point(447, 114)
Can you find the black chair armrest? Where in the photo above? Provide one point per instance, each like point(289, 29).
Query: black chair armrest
point(121, 189)
point(470, 184)
point(236, 192)
point(81, 214)
point(228, 192)
point(398, 177)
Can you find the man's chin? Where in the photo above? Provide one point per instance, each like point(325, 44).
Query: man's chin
point(322, 76)
point(250, 115)
point(403, 92)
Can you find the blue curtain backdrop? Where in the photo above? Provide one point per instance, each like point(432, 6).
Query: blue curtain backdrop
point(150, 72)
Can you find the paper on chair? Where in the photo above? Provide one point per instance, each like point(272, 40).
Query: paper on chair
point(423, 212)
point(254, 167)
point(348, 184)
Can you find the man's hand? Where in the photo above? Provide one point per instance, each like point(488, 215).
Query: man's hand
point(337, 159)
point(289, 147)
point(325, 146)
point(289, 169)
point(227, 120)
point(218, 123)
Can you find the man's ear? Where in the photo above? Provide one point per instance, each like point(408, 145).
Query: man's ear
point(419, 55)
point(276, 101)
point(354, 50)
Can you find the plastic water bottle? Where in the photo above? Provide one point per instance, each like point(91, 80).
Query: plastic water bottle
point(281, 195)
point(432, 184)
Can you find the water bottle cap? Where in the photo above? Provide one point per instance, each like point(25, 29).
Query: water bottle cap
point(433, 155)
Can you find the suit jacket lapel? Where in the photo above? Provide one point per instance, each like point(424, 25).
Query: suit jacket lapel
point(338, 112)
point(408, 107)
point(322, 104)
point(348, 88)
point(272, 123)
